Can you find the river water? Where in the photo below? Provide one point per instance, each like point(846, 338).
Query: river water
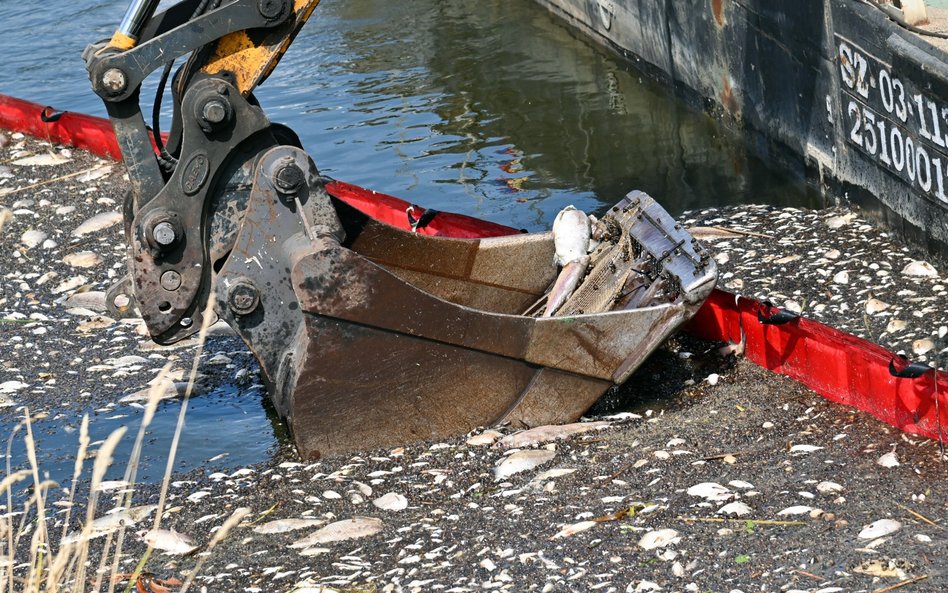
point(489, 108)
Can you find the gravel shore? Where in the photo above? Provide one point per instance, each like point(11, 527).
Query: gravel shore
point(703, 473)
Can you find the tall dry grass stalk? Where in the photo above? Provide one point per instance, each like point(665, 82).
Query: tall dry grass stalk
point(59, 562)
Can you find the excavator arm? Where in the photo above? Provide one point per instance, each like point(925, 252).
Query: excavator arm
point(218, 131)
point(367, 335)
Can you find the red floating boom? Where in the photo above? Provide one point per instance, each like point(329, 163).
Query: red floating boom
point(839, 366)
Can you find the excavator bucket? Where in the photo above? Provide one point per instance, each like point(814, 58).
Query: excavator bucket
point(389, 336)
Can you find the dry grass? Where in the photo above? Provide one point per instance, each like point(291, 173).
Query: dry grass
point(61, 562)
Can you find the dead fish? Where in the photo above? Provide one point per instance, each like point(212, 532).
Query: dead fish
point(168, 540)
point(573, 529)
point(543, 434)
point(90, 299)
point(166, 390)
point(879, 528)
point(41, 160)
point(111, 522)
point(522, 461)
point(659, 538)
point(82, 259)
point(920, 268)
point(392, 501)
point(285, 525)
point(571, 237)
point(5, 216)
point(567, 281)
point(32, 238)
point(95, 174)
point(70, 284)
point(341, 530)
point(100, 221)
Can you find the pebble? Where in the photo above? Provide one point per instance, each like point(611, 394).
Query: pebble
point(162, 390)
point(12, 386)
point(91, 299)
point(836, 222)
point(923, 346)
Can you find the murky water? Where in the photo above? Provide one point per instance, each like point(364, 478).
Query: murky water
point(488, 108)
point(223, 430)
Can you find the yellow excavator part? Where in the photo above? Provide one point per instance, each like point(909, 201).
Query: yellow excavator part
point(251, 62)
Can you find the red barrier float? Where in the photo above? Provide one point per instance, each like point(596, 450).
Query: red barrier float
point(93, 134)
point(838, 366)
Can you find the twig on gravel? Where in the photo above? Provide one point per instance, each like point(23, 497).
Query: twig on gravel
point(263, 515)
point(702, 232)
point(616, 516)
point(809, 574)
point(617, 473)
point(721, 456)
point(724, 520)
point(901, 584)
point(920, 516)
point(48, 181)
